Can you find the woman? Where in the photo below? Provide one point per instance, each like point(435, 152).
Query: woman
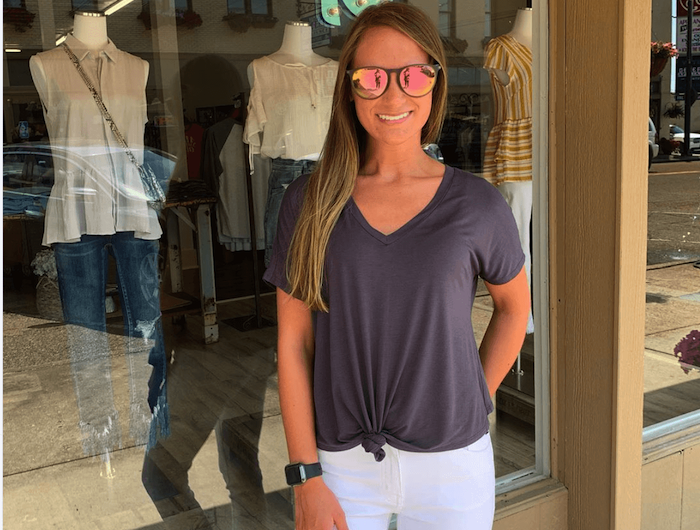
point(376, 264)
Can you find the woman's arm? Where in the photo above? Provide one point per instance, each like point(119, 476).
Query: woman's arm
point(316, 506)
point(506, 330)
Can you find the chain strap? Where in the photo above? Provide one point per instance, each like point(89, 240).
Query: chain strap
point(152, 183)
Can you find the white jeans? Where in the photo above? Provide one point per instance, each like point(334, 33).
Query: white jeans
point(518, 195)
point(450, 490)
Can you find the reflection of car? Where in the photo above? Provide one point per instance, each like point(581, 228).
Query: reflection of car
point(679, 135)
point(28, 173)
point(653, 146)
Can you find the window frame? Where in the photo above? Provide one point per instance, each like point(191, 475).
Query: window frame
point(248, 9)
point(22, 5)
point(540, 257)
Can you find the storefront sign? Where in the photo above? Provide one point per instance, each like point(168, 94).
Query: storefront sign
point(682, 8)
point(330, 10)
point(683, 34)
point(681, 72)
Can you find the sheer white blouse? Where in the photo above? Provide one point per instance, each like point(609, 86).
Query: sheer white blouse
point(96, 190)
point(289, 108)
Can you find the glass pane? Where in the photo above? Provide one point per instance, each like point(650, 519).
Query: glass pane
point(127, 326)
point(672, 354)
point(236, 6)
point(259, 7)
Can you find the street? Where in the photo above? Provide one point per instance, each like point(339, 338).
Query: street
point(674, 212)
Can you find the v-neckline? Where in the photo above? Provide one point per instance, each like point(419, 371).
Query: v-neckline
point(388, 239)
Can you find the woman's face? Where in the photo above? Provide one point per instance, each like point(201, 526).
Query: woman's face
point(394, 118)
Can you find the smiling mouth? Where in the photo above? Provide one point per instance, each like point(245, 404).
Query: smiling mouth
point(393, 118)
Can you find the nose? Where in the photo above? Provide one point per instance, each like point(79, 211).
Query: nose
point(393, 91)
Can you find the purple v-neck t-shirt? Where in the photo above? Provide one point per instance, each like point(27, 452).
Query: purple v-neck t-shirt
point(396, 360)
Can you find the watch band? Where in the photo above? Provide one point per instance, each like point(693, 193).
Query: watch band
point(297, 474)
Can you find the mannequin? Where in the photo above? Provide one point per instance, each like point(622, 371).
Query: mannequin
point(508, 156)
point(288, 114)
point(296, 47)
point(91, 30)
point(98, 209)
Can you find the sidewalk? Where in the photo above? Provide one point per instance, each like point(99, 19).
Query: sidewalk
point(672, 311)
point(50, 484)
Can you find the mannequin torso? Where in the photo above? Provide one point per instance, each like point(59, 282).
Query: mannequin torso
point(521, 32)
point(295, 49)
point(296, 46)
point(91, 30)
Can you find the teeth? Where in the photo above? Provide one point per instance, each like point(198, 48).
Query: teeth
point(393, 118)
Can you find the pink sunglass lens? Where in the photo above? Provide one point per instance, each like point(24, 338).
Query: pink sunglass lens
point(369, 82)
point(417, 80)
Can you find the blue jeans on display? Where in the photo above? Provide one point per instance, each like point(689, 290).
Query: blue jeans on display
point(282, 173)
point(82, 277)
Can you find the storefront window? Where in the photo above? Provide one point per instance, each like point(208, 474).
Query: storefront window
point(251, 7)
point(672, 354)
point(132, 323)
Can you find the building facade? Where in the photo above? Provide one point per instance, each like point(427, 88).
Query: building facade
point(576, 445)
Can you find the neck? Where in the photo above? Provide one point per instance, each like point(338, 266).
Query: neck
point(91, 30)
point(392, 160)
point(296, 46)
point(522, 27)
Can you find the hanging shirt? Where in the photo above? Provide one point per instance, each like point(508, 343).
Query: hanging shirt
point(224, 169)
point(289, 108)
point(97, 189)
point(193, 141)
point(508, 155)
point(396, 359)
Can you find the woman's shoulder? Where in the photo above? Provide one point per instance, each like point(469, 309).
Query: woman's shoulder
point(472, 186)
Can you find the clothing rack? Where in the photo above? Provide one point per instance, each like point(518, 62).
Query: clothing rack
point(255, 321)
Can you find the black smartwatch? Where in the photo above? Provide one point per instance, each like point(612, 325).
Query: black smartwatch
point(299, 473)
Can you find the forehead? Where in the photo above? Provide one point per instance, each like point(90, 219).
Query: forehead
point(389, 48)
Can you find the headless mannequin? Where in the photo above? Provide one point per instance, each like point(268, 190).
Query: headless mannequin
point(522, 32)
point(519, 194)
point(91, 30)
point(87, 235)
point(295, 49)
point(297, 52)
point(296, 46)
point(88, 28)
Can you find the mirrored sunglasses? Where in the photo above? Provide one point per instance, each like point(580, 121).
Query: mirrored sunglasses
point(415, 80)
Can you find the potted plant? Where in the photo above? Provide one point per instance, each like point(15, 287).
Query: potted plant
point(661, 52)
point(688, 351)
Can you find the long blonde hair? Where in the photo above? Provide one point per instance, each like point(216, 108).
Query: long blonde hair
point(331, 184)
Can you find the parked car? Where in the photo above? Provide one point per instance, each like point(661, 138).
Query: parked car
point(653, 146)
point(679, 135)
point(28, 173)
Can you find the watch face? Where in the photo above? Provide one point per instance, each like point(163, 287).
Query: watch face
point(293, 474)
point(298, 473)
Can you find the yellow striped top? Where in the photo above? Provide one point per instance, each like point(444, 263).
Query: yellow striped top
point(508, 154)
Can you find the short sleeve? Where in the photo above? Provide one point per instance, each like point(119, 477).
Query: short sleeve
point(496, 56)
point(276, 273)
point(499, 253)
point(256, 119)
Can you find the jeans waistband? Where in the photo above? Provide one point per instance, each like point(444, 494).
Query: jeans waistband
point(288, 163)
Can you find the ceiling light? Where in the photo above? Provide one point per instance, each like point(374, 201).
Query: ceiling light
point(116, 6)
